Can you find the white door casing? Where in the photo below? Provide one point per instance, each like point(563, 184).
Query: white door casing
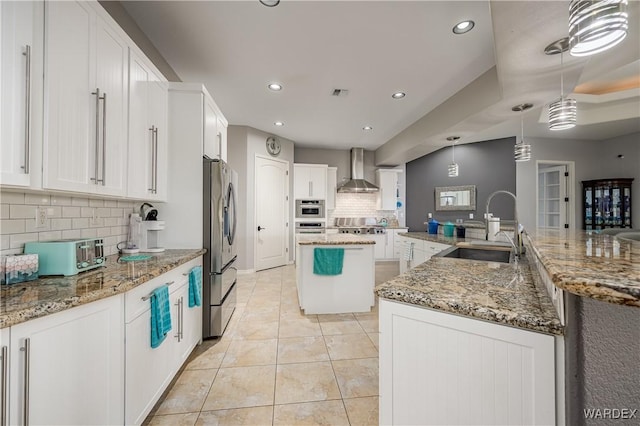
point(271, 213)
point(554, 194)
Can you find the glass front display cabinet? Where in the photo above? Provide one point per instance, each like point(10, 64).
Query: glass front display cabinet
point(606, 203)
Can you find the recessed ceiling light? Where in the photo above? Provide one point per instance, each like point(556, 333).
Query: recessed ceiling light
point(279, 123)
point(463, 27)
point(270, 3)
point(398, 95)
point(275, 86)
point(367, 128)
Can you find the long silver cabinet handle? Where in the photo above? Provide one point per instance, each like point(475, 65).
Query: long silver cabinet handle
point(104, 140)
point(177, 335)
point(27, 108)
point(27, 361)
point(182, 318)
point(97, 155)
point(5, 371)
point(153, 149)
point(155, 161)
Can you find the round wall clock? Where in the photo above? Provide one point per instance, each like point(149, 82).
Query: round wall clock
point(273, 146)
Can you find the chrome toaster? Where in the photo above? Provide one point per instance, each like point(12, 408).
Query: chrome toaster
point(67, 257)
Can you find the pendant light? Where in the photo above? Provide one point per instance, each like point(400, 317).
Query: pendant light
point(595, 26)
point(562, 112)
point(453, 167)
point(522, 151)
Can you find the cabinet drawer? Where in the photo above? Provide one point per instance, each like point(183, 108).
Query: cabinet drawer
point(134, 305)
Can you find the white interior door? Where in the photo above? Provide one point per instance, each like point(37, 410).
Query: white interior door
point(272, 213)
point(552, 193)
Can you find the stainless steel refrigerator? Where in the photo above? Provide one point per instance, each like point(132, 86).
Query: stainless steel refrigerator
point(219, 274)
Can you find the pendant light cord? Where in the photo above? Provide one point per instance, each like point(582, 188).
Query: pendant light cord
point(453, 152)
point(561, 74)
point(522, 127)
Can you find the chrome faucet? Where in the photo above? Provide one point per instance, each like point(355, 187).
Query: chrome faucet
point(516, 242)
point(516, 252)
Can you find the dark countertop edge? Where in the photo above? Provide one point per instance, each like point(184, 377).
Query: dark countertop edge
point(54, 306)
point(584, 287)
point(336, 243)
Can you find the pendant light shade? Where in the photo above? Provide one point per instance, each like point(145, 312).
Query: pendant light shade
point(521, 150)
point(564, 111)
point(452, 169)
point(562, 114)
point(595, 26)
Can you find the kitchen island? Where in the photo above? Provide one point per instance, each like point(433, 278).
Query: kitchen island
point(349, 291)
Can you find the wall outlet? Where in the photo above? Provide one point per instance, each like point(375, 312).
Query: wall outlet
point(41, 218)
point(470, 215)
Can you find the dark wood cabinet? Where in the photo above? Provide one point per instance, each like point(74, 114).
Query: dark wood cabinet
point(606, 203)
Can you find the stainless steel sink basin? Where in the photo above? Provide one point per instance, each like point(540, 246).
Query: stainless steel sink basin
point(473, 253)
point(632, 236)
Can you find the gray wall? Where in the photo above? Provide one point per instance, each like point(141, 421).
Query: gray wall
point(120, 15)
point(243, 144)
point(602, 351)
point(488, 165)
point(593, 160)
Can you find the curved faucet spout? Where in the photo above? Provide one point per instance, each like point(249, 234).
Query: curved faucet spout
point(516, 234)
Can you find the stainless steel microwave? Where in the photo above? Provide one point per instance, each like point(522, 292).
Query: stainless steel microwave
point(309, 209)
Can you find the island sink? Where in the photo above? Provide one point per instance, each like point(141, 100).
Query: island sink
point(493, 254)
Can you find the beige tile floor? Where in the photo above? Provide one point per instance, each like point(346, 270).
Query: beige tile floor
point(276, 366)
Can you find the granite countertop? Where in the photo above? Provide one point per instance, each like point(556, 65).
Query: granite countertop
point(435, 238)
point(331, 239)
point(25, 301)
point(589, 264)
point(495, 292)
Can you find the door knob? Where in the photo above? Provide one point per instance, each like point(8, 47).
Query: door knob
point(260, 228)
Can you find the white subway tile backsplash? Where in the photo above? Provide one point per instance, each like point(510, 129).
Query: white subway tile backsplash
point(103, 232)
point(98, 223)
point(4, 211)
point(11, 198)
point(60, 224)
point(10, 252)
point(117, 212)
point(30, 225)
point(21, 211)
point(60, 200)
point(37, 199)
point(126, 204)
point(5, 242)
point(80, 223)
point(12, 226)
point(96, 203)
point(68, 211)
point(103, 212)
point(79, 202)
point(17, 240)
point(50, 236)
point(88, 233)
point(70, 234)
point(112, 221)
point(87, 211)
point(110, 203)
point(55, 211)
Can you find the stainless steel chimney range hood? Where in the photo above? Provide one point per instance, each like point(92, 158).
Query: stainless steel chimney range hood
point(357, 184)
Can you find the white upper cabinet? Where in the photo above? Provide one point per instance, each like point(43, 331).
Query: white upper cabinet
point(222, 137)
point(147, 178)
point(211, 136)
point(21, 57)
point(387, 181)
point(310, 181)
point(332, 186)
point(85, 143)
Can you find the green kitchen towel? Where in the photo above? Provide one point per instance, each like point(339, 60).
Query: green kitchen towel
point(328, 261)
point(160, 315)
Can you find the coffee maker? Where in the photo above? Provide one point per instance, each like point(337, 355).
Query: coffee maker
point(149, 230)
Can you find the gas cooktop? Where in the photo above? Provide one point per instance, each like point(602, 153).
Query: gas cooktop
point(362, 230)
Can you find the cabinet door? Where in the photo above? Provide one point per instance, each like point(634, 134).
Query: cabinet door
point(18, 75)
point(211, 137)
point(387, 181)
point(111, 78)
point(332, 183)
point(70, 127)
point(318, 179)
point(301, 182)
point(222, 139)
point(75, 366)
point(5, 348)
point(159, 122)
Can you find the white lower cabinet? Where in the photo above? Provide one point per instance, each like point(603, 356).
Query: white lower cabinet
point(150, 370)
point(421, 251)
point(439, 368)
point(68, 368)
point(5, 348)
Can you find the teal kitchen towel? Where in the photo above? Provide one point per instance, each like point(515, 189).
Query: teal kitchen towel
point(195, 286)
point(160, 315)
point(328, 261)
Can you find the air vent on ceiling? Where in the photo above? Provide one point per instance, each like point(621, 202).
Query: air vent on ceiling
point(340, 92)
